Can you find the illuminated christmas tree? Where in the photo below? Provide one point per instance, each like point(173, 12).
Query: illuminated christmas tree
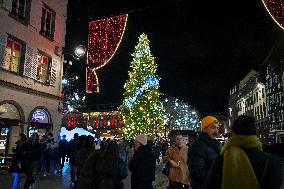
point(142, 110)
point(180, 115)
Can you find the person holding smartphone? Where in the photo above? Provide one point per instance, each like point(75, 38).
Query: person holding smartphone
point(176, 156)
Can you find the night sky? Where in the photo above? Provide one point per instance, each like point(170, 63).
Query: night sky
point(202, 48)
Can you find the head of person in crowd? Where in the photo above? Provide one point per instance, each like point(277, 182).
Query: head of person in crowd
point(35, 137)
point(191, 139)
point(210, 125)
point(244, 125)
point(108, 160)
point(64, 137)
point(49, 135)
point(89, 141)
point(140, 140)
point(81, 141)
point(178, 140)
point(22, 137)
point(75, 136)
point(112, 149)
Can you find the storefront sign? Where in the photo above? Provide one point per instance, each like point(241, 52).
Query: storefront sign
point(39, 115)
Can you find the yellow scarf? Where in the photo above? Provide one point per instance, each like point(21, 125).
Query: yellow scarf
point(238, 172)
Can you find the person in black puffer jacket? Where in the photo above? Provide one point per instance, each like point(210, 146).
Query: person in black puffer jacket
point(203, 152)
point(142, 165)
point(252, 168)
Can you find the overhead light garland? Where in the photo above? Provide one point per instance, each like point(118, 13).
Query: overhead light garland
point(275, 9)
point(105, 36)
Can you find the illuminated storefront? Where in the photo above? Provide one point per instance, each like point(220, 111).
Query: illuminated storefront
point(11, 125)
point(39, 122)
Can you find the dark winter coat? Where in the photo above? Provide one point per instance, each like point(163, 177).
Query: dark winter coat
point(272, 177)
point(23, 154)
point(63, 147)
point(37, 150)
point(88, 176)
point(201, 156)
point(142, 167)
point(111, 177)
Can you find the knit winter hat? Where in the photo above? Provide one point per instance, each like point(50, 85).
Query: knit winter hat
point(142, 139)
point(208, 120)
point(244, 125)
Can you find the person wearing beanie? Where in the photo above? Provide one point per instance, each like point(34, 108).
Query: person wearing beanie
point(141, 139)
point(242, 158)
point(203, 152)
point(142, 165)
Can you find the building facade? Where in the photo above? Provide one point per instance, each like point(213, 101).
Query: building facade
point(32, 36)
point(249, 98)
point(275, 102)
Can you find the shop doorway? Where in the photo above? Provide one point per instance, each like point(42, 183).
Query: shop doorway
point(40, 122)
point(10, 127)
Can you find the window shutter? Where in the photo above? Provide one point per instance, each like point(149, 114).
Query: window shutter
point(53, 72)
point(34, 64)
point(3, 41)
point(29, 62)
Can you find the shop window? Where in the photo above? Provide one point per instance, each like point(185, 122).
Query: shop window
point(14, 55)
point(47, 22)
point(43, 68)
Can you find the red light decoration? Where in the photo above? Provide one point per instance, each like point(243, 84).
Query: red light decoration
point(105, 36)
point(97, 123)
point(72, 121)
point(103, 120)
point(276, 10)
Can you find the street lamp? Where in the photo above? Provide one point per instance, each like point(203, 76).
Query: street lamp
point(78, 52)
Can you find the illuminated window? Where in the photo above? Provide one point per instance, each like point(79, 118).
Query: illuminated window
point(43, 68)
point(14, 51)
point(47, 22)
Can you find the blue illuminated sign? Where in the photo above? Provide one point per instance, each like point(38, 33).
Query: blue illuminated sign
point(39, 115)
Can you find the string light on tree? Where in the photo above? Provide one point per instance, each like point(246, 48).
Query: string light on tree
point(74, 97)
point(141, 110)
point(180, 115)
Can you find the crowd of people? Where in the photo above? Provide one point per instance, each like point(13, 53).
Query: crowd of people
point(201, 164)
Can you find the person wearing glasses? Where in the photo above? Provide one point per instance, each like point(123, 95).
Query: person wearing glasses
point(203, 152)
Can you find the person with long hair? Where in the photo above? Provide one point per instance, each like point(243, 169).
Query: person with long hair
point(110, 169)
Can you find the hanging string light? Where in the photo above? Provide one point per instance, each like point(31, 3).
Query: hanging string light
point(105, 36)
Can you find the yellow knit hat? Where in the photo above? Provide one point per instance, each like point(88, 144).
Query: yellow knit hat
point(208, 120)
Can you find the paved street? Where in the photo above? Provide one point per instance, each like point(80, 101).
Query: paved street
point(62, 181)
